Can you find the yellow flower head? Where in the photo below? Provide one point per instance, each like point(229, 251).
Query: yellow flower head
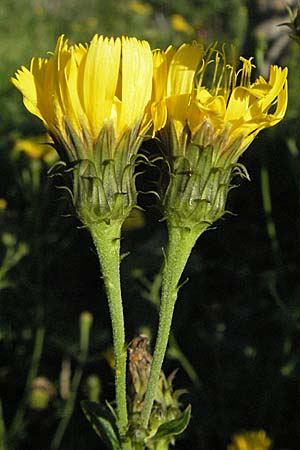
point(229, 99)
point(3, 204)
point(180, 24)
point(140, 8)
point(207, 113)
point(250, 440)
point(107, 81)
point(37, 147)
point(94, 100)
point(219, 94)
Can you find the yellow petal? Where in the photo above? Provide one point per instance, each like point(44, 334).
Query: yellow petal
point(98, 75)
point(213, 106)
point(277, 81)
point(59, 97)
point(25, 83)
point(158, 107)
point(181, 78)
point(72, 104)
point(137, 70)
point(182, 67)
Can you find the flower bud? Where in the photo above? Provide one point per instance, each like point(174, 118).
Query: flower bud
point(85, 323)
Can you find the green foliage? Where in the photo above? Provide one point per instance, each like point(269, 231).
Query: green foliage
point(13, 253)
point(173, 427)
point(102, 422)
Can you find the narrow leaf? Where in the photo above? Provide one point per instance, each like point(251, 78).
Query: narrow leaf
point(173, 427)
point(103, 423)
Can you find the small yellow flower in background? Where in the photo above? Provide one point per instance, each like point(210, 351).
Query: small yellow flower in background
point(250, 440)
point(3, 204)
point(92, 22)
point(76, 27)
point(180, 24)
point(93, 99)
point(37, 147)
point(140, 8)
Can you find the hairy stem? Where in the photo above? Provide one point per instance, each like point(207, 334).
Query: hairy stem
point(181, 242)
point(106, 238)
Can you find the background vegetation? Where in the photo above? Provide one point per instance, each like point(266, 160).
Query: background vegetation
point(237, 323)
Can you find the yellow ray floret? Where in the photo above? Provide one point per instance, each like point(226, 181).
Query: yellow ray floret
point(244, 107)
point(250, 440)
point(173, 83)
point(107, 80)
point(192, 87)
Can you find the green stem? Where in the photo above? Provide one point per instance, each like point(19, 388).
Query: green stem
point(68, 409)
point(85, 323)
point(18, 421)
point(267, 204)
point(2, 429)
point(175, 352)
point(181, 242)
point(106, 238)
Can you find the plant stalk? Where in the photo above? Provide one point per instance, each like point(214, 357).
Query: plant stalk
point(18, 420)
point(181, 242)
point(106, 238)
point(68, 409)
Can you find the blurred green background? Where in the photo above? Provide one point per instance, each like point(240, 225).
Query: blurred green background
point(237, 322)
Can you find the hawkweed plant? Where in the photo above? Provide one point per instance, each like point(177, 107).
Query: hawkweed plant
point(98, 101)
point(97, 119)
point(206, 112)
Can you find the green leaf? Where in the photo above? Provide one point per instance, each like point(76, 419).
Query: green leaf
point(102, 422)
point(173, 427)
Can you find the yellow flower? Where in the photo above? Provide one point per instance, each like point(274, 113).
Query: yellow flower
point(207, 113)
point(3, 204)
point(140, 8)
point(37, 147)
point(180, 24)
point(250, 440)
point(94, 100)
point(89, 86)
point(221, 95)
point(231, 100)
